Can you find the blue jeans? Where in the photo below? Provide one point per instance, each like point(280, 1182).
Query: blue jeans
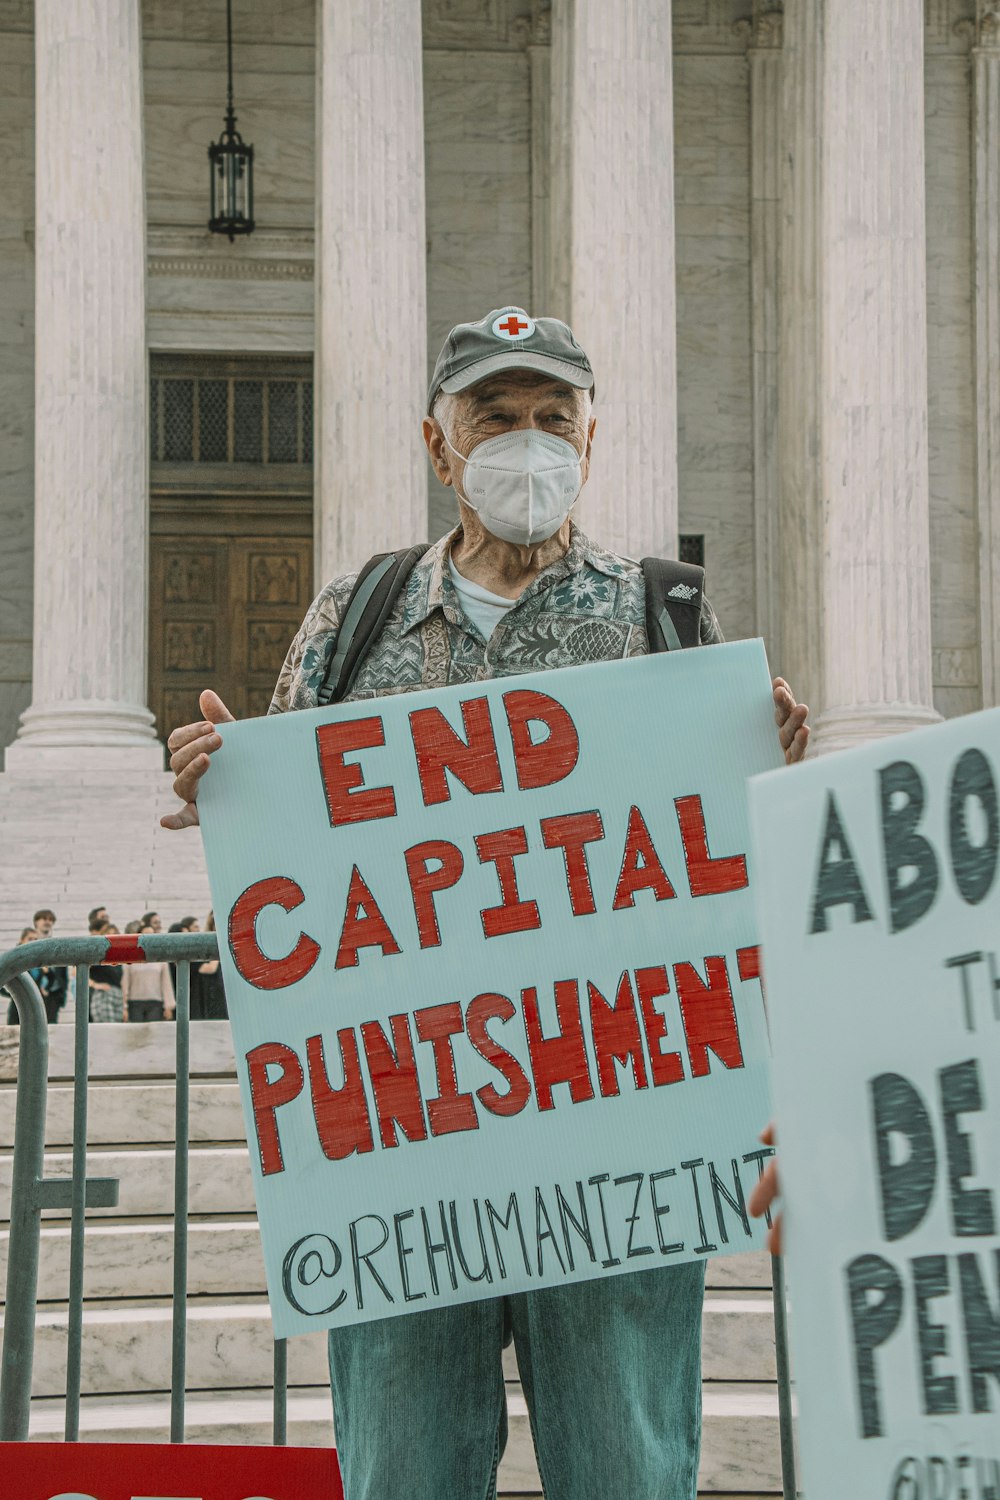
point(611, 1371)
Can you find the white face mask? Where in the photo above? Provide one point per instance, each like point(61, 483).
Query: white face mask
point(522, 484)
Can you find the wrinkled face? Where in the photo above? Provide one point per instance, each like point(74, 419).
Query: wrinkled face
point(503, 403)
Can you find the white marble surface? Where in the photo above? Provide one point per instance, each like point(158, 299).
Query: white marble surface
point(90, 837)
point(91, 395)
point(371, 297)
point(765, 59)
point(715, 455)
point(219, 1181)
point(141, 1049)
point(611, 275)
point(137, 1113)
point(986, 256)
point(136, 1260)
point(230, 1346)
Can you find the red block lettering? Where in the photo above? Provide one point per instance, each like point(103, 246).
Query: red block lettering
point(269, 1095)
point(344, 803)
point(254, 965)
point(706, 876)
point(425, 881)
point(341, 1114)
point(394, 1080)
point(450, 1110)
point(708, 1014)
point(439, 748)
point(364, 925)
point(666, 1067)
point(561, 1058)
point(480, 1010)
point(616, 1036)
point(551, 759)
point(570, 833)
point(641, 868)
point(748, 962)
point(513, 914)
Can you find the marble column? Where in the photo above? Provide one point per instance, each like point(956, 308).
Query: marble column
point(88, 706)
point(370, 380)
point(854, 511)
point(764, 56)
point(986, 258)
point(612, 256)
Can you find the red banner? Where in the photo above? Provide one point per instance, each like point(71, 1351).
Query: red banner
point(165, 1471)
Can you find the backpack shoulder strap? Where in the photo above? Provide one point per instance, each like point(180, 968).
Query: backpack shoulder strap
point(375, 592)
point(674, 592)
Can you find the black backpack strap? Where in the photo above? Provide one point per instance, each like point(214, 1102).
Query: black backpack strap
point(375, 591)
point(674, 592)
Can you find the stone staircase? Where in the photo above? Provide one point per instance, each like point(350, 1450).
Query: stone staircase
point(127, 1287)
point(89, 837)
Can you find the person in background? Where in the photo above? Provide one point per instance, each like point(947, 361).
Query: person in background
point(147, 990)
point(132, 928)
point(208, 994)
point(151, 919)
point(28, 935)
point(106, 1003)
point(97, 918)
point(56, 978)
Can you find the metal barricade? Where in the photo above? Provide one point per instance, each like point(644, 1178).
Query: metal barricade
point(32, 1192)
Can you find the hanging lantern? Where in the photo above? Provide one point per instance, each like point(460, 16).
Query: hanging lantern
point(231, 167)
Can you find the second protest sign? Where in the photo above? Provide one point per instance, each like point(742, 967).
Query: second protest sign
point(492, 970)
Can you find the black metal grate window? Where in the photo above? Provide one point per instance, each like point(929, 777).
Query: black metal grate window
point(282, 421)
point(213, 421)
point(178, 420)
point(307, 421)
point(229, 419)
point(248, 420)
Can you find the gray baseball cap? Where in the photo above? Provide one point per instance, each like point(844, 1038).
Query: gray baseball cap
point(508, 339)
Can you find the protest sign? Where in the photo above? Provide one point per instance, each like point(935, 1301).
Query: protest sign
point(491, 961)
point(878, 894)
point(167, 1471)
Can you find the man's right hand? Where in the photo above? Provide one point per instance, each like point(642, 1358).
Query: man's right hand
point(190, 748)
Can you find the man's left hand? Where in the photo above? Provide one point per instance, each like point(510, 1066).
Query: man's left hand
point(790, 717)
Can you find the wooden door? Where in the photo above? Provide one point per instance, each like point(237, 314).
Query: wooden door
point(224, 608)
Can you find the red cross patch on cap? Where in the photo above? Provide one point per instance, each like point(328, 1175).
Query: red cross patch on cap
point(513, 325)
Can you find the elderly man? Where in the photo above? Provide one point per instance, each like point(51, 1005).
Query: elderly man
point(610, 1369)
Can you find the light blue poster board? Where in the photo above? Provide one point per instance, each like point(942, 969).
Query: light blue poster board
point(879, 909)
point(404, 944)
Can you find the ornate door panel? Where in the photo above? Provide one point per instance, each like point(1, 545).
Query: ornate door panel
point(224, 606)
point(270, 591)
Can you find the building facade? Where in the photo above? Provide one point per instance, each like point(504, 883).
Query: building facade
point(775, 229)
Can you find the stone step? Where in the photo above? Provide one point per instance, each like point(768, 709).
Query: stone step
point(740, 1447)
point(224, 1258)
point(134, 1114)
point(142, 867)
point(138, 1050)
point(219, 1181)
point(128, 1348)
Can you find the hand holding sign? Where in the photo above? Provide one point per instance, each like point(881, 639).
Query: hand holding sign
point(190, 747)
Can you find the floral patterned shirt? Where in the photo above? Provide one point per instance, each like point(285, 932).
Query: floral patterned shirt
point(589, 605)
